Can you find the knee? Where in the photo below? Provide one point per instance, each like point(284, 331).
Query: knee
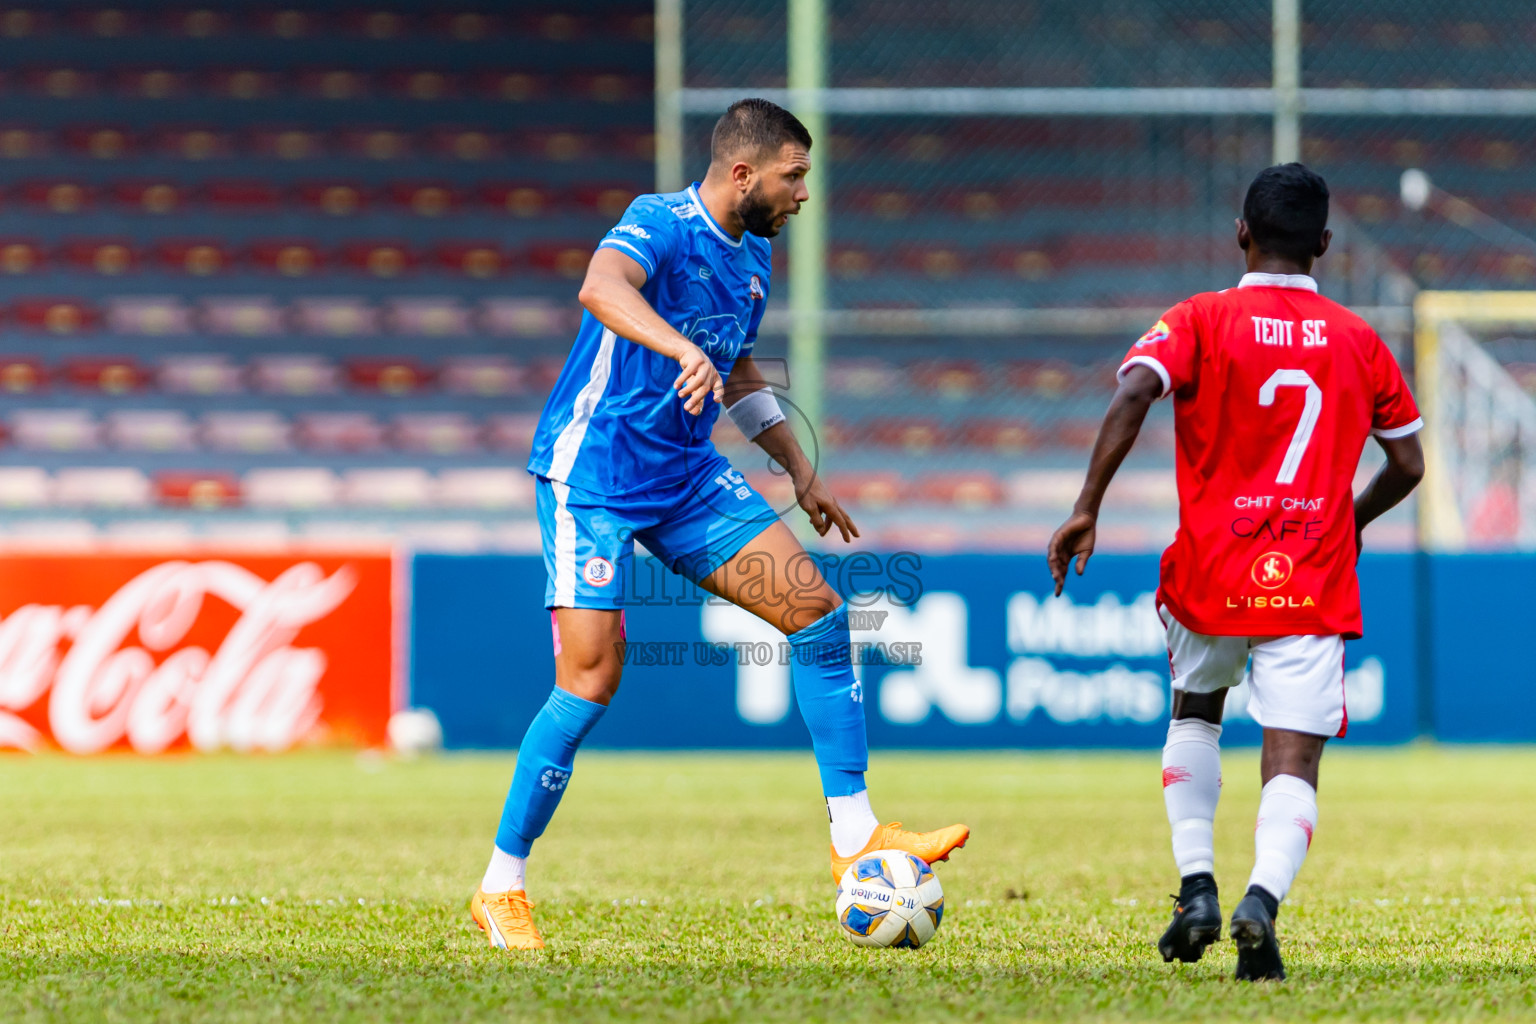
point(596, 683)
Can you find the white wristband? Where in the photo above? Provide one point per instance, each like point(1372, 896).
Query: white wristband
point(756, 413)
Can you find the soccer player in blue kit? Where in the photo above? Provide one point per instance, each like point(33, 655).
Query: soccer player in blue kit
point(674, 296)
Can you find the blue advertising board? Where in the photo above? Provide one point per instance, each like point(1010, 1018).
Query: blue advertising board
point(954, 651)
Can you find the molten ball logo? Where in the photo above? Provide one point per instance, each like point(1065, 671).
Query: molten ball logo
point(1272, 569)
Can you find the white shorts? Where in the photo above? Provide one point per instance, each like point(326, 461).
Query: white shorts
point(1297, 682)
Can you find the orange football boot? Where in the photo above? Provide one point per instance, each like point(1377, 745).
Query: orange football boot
point(506, 918)
point(929, 847)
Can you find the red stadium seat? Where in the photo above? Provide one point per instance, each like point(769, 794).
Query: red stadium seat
point(21, 257)
point(59, 196)
point(101, 256)
point(243, 196)
point(335, 84)
point(288, 143)
point(511, 86)
point(99, 143)
point(389, 376)
point(160, 197)
point(378, 24)
point(114, 376)
point(338, 199)
point(609, 200)
point(465, 26)
point(290, 258)
point(56, 316)
point(1075, 435)
point(197, 490)
point(108, 22)
point(243, 83)
point(950, 378)
point(941, 262)
point(1044, 377)
point(562, 146)
point(909, 433)
point(198, 257)
point(1003, 436)
point(22, 375)
point(379, 259)
point(871, 490)
point(199, 23)
point(195, 143)
point(975, 489)
point(520, 200)
point(474, 259)
point(1032, 263)
point(556, 26)
point(568, 259)
point(466, 144)
point(853, 263)
point(290, 23)
point(21, 23)
point(424, 86)
point(23, 143)
point(60, 83)
point(425, 200)
point(609, 87)
point(377, 143)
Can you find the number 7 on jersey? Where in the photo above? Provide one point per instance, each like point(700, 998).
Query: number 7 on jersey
point(1304, 427)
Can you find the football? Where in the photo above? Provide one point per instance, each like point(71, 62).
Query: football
point(889, 898)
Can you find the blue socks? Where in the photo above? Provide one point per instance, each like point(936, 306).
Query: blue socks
point(831, 702)
point(544, 762)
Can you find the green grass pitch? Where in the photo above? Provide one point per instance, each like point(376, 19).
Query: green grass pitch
point(695, 887)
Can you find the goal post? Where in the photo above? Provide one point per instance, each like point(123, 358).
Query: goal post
point(1480, 422)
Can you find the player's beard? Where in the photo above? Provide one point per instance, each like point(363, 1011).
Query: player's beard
point(757, 214)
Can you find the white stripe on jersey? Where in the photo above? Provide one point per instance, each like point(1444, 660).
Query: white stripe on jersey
point(642, 257)
point(565, 548)
point(568, 444)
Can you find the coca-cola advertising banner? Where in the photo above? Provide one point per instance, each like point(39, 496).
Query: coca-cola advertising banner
point(205, 651)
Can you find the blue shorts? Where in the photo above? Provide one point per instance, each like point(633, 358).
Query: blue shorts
point(694, 528)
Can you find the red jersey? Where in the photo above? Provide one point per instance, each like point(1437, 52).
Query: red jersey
point(1276, 390)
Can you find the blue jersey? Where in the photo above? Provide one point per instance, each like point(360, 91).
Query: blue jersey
point(614, 424)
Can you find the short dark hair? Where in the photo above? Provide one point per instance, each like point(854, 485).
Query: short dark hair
point(755, 126)
point(1287, 211)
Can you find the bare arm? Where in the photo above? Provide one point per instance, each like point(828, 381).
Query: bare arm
point(611, 292)
point(1140, 387)
point(780, 443)
point(1391, 484)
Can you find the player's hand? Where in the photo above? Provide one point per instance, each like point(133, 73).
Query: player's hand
point(698, 379)
point(1075, 538)
point(824, 510)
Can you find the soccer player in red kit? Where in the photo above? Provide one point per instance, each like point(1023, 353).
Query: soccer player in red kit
point(1275, 391)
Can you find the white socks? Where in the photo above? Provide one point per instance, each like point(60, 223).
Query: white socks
point(504, 873)
point(1191, 787)
point(1287, 817)
point(852, 822)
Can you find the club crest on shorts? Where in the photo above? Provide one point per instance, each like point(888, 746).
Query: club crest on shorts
point(1272, 569)
point(598, 572)
point(755, 287)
